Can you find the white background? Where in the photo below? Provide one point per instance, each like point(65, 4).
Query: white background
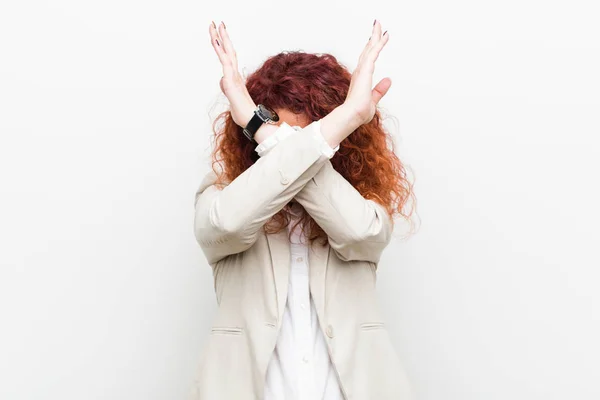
point(105, 112)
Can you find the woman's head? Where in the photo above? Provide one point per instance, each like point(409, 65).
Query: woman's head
point(302, 88)
point(305, 84)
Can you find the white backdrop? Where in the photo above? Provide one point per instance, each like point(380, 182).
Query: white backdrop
point(105, 112)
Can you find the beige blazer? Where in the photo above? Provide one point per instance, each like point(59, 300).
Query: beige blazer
point(251, 268)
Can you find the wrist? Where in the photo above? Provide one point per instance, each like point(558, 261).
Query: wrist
point(353, 117)
point(248, 113)
point(264, 132)
point(339, 124)
point(265, 129)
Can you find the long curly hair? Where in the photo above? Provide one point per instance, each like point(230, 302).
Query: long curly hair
point(314, 85)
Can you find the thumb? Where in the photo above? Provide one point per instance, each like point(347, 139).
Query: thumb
point(381, 89)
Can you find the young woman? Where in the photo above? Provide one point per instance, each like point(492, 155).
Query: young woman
point(293, 222)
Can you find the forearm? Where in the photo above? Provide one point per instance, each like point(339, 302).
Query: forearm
point(339, 124)
point(357, 228)
point(335, 126)
point(228, 219)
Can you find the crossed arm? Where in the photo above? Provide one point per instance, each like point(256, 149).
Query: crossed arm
point(293, 163)
point(358, 229)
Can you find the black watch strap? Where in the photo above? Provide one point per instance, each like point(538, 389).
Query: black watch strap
point(253, 125)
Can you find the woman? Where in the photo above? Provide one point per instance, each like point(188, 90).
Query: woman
point(293, 224)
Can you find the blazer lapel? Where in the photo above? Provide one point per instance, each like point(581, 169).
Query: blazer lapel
point(279, 247)
point(317, 259)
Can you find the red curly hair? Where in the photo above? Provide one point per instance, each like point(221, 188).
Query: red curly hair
point(314, 85)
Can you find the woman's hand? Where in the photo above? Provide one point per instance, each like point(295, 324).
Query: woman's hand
point(361, 98)
point(232, 83)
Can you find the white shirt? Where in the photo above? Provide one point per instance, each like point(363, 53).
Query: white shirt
point(300, 367)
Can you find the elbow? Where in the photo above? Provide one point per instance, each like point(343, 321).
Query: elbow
point(364, 240)
point(379, 230)
point(221, 237)
point(382, 234)
point(359, 251)
point(209, 236)
point(209, 228)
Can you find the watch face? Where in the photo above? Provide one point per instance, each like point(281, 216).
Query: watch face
point(268, 112)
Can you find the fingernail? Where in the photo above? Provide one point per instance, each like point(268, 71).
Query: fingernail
point(384, 32)
point(374, 22)
point(223, 24)
point(214, 24)
point(218, 44)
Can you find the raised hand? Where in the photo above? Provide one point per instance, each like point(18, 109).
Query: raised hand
point(232, 84)
point(361, 98)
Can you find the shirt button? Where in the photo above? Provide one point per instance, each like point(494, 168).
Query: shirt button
point(305, 359)
point(302, 306)
point(299, 259)
point(329, 331)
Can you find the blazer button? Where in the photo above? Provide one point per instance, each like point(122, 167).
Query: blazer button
point(329, 331)
point(284, 180)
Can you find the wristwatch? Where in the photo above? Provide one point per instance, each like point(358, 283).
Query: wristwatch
point(262, 114)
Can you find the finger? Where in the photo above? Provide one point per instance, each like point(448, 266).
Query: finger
point(376, 34)
point(368, 44)
point(373, 40)
point(373, 54)
point(214, 38)
point(218, 46)
point(228, 45)
point(381, 89)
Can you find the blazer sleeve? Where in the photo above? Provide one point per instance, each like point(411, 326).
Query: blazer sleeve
point(358, 229)
point(227, 219)
point(280, 134)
